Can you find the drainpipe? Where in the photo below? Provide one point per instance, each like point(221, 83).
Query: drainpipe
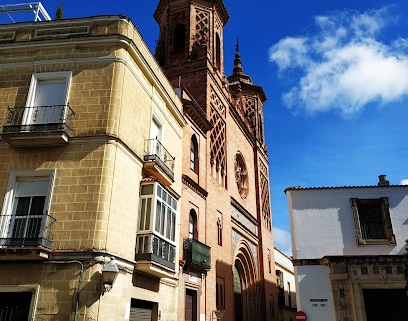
point(78, 290)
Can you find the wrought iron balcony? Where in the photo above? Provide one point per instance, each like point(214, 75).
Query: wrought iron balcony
point(152, 248)
point(39, 125)
point(281, 296)
point(158, 161)
point(197, 254)
point(26, 230)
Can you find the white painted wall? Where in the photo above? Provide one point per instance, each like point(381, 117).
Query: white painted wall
point(284, 263)
point(322, 221)
point(313, 292)
point(322, 224)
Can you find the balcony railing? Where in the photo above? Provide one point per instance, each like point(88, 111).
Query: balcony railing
point(155, 151)
point(150, 247)
point(197, 254)
point(38, 119)
point(26, 230)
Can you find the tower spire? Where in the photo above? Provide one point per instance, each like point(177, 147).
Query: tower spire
point(238, 70)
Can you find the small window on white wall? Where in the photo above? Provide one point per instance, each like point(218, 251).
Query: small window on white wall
point(47, 98)
point(156, 129)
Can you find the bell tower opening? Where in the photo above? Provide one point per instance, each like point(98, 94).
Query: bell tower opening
point(218, 51)
point(179, 39)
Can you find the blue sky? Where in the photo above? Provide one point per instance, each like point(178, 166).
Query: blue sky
point(336, 77)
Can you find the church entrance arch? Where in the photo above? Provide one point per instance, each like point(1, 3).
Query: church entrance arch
point(246, 292)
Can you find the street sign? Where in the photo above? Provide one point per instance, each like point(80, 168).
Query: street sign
point(300, 316)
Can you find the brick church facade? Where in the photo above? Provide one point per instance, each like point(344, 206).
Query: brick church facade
point(226, 245)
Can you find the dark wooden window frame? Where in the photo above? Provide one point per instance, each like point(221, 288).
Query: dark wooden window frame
point(382, 203)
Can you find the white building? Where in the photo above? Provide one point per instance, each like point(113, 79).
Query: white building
point(286, 286)
point(348, 245)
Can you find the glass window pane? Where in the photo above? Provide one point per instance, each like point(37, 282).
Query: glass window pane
point(158, 215)
point(162, 218)
point(23, 205)
point(148, 214)
point(142, 214)
point(33, 227)
point(140, 245)
point(147, 189)
point(173, 227)
point(159, 190)
point(19, 227)
point(37, 205)
point(168, 223)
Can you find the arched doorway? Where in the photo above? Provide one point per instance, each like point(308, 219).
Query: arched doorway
point(246, 292)
point(237, 295)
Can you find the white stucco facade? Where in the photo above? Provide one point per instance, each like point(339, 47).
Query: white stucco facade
point(286, 286)
point(333, 266)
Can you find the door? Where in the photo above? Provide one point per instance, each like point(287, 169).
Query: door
point(385, 304)
point(140, 310)
point(49, 102)
point(47, 98)
point(190, 305)
point(28, 212)
point(155, 139)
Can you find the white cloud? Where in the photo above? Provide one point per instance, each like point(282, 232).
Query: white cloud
point(289, 51)
point(282, 241)
point(343, 66)
point(404, 181)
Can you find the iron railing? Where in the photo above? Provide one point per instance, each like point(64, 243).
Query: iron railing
point(38, 119)
point(281, 296)
point(197, 254)
point(153, 248)
point(155, 151)
point(26, 230)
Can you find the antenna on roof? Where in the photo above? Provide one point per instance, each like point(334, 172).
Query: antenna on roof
point(36, 8)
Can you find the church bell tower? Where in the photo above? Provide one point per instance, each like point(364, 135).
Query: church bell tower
point(225, 203)
point(190, 45)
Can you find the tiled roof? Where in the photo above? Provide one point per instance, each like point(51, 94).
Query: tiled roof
point(292, 188)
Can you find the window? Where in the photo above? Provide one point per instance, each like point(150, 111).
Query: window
point(156, 129)
point(165, 214)
point(192, 226)
point(269, 261)
point(220, 293)
point(241, 175)
point(47, 98)
point(218, 52)
point(17, 303)
point(25, 220)
point(289, 295)
point(179, 39)
point(156, 233)
point(219, 230)
point(194, 154)
point(279, 277)
point(372, 221)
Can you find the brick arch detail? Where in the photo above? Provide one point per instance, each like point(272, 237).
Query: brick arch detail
point(247, 269)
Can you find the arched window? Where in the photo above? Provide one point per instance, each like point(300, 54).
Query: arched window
point(192, 225)
point(218, 52)
point(260, 128)
point(179, 38)
point(194, 154)
point(219, 231)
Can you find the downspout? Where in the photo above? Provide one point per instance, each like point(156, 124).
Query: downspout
point(78, 290)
